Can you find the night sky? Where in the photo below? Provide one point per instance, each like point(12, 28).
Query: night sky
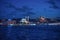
point(32, 8)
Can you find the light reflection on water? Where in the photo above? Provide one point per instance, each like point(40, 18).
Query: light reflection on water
point(9, 30)
point(38, 32)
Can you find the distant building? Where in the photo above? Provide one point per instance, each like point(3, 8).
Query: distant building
point(42, 19)
point(24, 21)
point(0, 21)
point(4, 21)
point(11, 21)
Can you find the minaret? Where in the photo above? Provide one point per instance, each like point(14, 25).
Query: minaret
point(27, 18)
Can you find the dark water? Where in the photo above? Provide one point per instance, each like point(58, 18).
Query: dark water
point(38, 32)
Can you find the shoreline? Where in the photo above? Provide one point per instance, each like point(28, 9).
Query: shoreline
point(32, 24)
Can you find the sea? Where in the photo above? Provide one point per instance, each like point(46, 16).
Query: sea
point(30, 32)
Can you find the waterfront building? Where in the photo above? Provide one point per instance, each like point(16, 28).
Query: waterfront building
point(24, 21)
point(42, 19)
point(10, 21)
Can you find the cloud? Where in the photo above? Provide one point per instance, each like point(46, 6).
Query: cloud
point(29, 14)
point(25, 9)
point(53, 3)
point(9, 5)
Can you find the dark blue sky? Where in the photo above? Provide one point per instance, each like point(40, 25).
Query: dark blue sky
point(32, 8)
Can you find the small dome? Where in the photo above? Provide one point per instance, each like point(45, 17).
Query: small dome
point(9, 19)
